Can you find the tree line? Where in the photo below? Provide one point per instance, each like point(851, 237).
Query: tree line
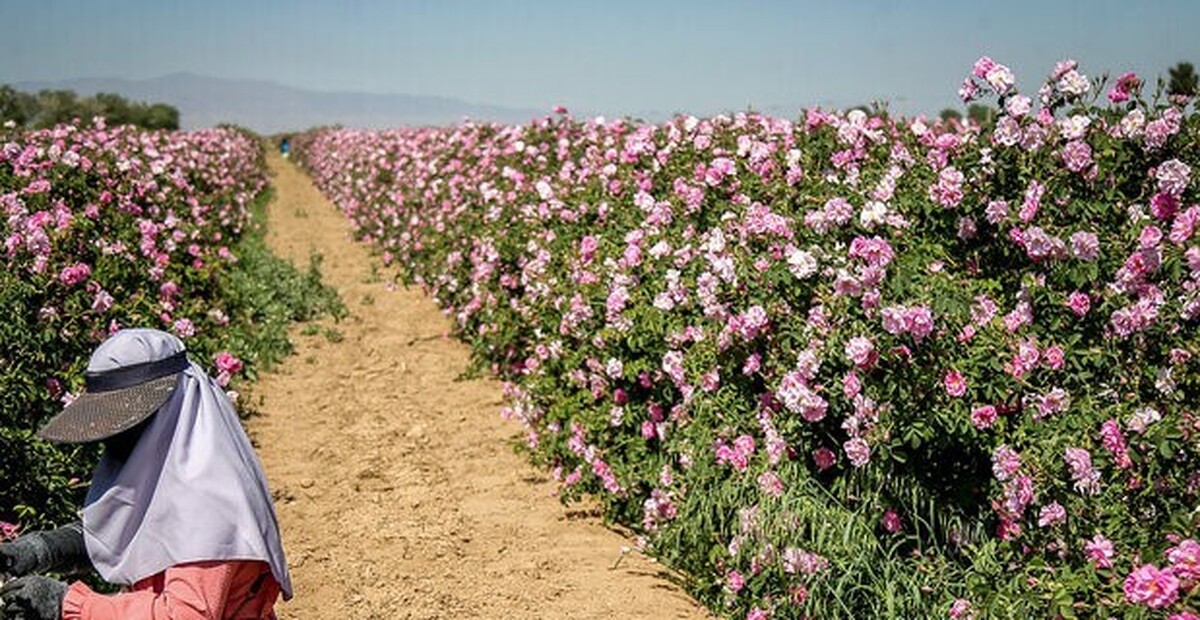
point(48, 108)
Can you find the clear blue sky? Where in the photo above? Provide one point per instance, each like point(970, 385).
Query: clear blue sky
point(612, 56)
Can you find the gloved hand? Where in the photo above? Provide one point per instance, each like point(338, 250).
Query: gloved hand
point(21, 556)
point(60, 550)
point(33, 598)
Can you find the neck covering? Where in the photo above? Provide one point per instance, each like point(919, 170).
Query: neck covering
point(190, 490)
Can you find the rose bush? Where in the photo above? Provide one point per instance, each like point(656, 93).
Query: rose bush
point(847, 366)
point(108, 227)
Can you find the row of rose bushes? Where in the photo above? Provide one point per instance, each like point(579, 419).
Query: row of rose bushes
point(110, 227)
point(845, 366)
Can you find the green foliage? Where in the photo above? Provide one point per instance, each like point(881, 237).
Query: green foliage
point(53, 107)
point(981, 114)
point(950, 114)
point(266, 294)
point(1182, 80)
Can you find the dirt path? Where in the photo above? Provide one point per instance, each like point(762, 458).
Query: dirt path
point(396, 488)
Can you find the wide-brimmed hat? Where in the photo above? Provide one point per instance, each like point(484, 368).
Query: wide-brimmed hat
point(129, 377)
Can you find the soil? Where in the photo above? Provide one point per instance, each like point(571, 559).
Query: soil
point(397, 489)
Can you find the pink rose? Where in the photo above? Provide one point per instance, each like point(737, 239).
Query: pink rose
point(983, 417)
point(735, 581)
point(1152, 587)
point(1185, 559)
point(893, 319)
point(1079, 303)
point(955, 383)
point(1051, 514)
point(184, 328)
point(858, 451)
point(861, 352)
point(744, 444)
point(1100, 551)
point(1005, 462)
point(1121, 90)
point(227, 362)
point(75, 274)
point(919, 321)
point(982, 67)
point(770, 483)
point(1053, 357)
point(824, 458)
point(851, 386)
point(961, 608)
point(1077, 155)
point(752, 365)
point(891, 521)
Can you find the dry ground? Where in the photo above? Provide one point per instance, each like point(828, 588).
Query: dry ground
point(397, 491)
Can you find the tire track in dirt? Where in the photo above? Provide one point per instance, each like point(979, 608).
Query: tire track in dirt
point(397, 491)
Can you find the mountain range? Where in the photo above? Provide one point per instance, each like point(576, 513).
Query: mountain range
point(268, 107)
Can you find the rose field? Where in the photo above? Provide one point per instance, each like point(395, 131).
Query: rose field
point(844, 366)
point(111, 227)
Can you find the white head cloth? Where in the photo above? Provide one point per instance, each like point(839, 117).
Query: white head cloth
point(191, 489)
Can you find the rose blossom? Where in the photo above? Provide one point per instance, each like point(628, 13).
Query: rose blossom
point(1114, 442)
point(1005, 462)
point(858, 451)
point(824, 458)
point(735, 581)
point(1051, 514)
point(955, 383)
point(1077, 155)
point(184, 328)
point(1079, 303)
point(1151, 587)
point(1085, 245)
point(983, 417)
point(891, 521)
point(982, 66)
point(961, 609)
point(1100, 551)
point(919, 321)
point(1018, 106)
point(1000, 78)
point(861, 352)
point(770, 483)
point(75, 274)
point(1185, 559)
point(1121, 90)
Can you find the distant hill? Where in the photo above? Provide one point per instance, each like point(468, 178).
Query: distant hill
point(267, 107)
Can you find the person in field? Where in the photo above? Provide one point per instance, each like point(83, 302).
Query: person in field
point(178, 511)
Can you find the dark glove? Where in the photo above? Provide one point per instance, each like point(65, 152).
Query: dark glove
point(33, 598)
point(20, 557)
point(60, 550)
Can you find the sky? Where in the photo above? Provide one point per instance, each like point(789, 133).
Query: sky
point(615, 57)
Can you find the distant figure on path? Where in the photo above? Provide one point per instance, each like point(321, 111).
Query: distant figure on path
point(285, 146)
point(178, 511)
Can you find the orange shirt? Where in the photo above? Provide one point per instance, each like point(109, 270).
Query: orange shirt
point(225, 590)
